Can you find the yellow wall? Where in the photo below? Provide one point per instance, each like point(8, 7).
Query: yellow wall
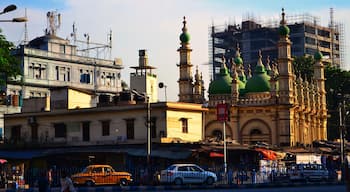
point(78, 99)
point(175, 126)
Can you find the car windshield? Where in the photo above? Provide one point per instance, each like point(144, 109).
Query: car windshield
point(172, 167)
point(86, 170)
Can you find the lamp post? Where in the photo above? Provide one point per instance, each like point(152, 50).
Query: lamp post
point(342, 131)
point(16, 20)
point(10, 8)
point(148, 123)
point(222, 115)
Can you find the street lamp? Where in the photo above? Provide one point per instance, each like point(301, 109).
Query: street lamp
point(161, 85)
point(148, 123)
point(17, 19)
point(8, 9)
point(342, 131)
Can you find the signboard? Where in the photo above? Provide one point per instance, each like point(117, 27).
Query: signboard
point(222, 112)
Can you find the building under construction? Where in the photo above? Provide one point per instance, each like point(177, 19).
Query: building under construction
point(252, 36)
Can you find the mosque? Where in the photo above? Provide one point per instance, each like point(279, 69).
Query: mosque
point(270, 105)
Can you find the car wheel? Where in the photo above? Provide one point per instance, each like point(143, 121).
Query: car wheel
point(89, 183)
point(178, 181)
point(123, 182)
point(210, 180)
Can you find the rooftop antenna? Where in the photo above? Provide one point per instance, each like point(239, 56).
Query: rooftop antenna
point(109, 40)
point(87, 36)
point(53, 22)
point(74, 34)
point(25, 28)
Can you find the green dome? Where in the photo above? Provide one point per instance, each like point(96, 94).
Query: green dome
point(222, 85)
point(238, 61)
point(184, 37)
point(318, 56)
point(284, 30)
point(260, 82)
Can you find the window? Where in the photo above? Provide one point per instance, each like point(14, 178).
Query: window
point(86, 77)
point(86, 130)
point(62, 49)
point(105, 128)
point(62, 73)
point(130, 129)
point(153, 127)
point(16, 133)
point(60, 130)
point(184, 124)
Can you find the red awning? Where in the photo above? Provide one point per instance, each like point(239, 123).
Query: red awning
point(215, 154)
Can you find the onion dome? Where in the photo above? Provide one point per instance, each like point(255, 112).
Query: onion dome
point(222, 84)
point(318, 56)
point(238, 60)
point(260, 80)
point(283, 29)
point(184, 37)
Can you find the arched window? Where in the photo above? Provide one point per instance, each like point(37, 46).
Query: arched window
point(217, 134)
point(255, 132)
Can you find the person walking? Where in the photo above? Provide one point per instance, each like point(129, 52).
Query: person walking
point(43, 183)
point(66, 183)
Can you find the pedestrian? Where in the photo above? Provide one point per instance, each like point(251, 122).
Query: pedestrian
point(253, 175)
point(66, 183)
point(43, 183)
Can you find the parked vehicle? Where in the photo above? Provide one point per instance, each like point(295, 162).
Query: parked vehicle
point(179, 174)
point(101, 175)
point(308, 172)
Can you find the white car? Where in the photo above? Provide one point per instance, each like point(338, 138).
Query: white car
point(308, 172)
point(179, 174)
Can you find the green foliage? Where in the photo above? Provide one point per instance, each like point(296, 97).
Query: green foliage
point(303, 66)
point(337, 85)
point(9, 65)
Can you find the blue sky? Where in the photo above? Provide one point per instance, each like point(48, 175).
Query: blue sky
point(155, 25)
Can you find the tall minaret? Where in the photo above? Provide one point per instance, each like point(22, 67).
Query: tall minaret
point(285, 79)
point(185, 66)
point(320, 83)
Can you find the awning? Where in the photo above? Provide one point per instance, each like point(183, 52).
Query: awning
point(215, 154)
point(20, 154)
point(267, 154)
point(160, 153)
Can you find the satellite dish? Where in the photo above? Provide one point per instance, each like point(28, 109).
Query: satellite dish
point(161, 85)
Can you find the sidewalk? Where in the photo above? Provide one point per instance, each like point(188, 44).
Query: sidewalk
point(173, 187)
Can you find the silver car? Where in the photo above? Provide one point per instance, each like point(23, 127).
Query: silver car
point(179, 174)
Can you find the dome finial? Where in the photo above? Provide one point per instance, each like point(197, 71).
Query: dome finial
point(259, 59)
point(184, 29)
point(238, 60)
point(283, 21)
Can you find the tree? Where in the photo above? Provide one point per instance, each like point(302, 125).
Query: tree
point(303, 66)
point(337, 84)
point(9, 65)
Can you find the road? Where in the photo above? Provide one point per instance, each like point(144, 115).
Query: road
point(334, 188)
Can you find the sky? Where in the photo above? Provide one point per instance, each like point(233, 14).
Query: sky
point(155, 25)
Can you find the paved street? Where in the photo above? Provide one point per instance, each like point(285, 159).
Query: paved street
point(201, 188)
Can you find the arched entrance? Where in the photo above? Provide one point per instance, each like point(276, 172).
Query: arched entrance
point(255, 131)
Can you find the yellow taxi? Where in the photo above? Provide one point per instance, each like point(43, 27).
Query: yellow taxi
point(101, 175)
